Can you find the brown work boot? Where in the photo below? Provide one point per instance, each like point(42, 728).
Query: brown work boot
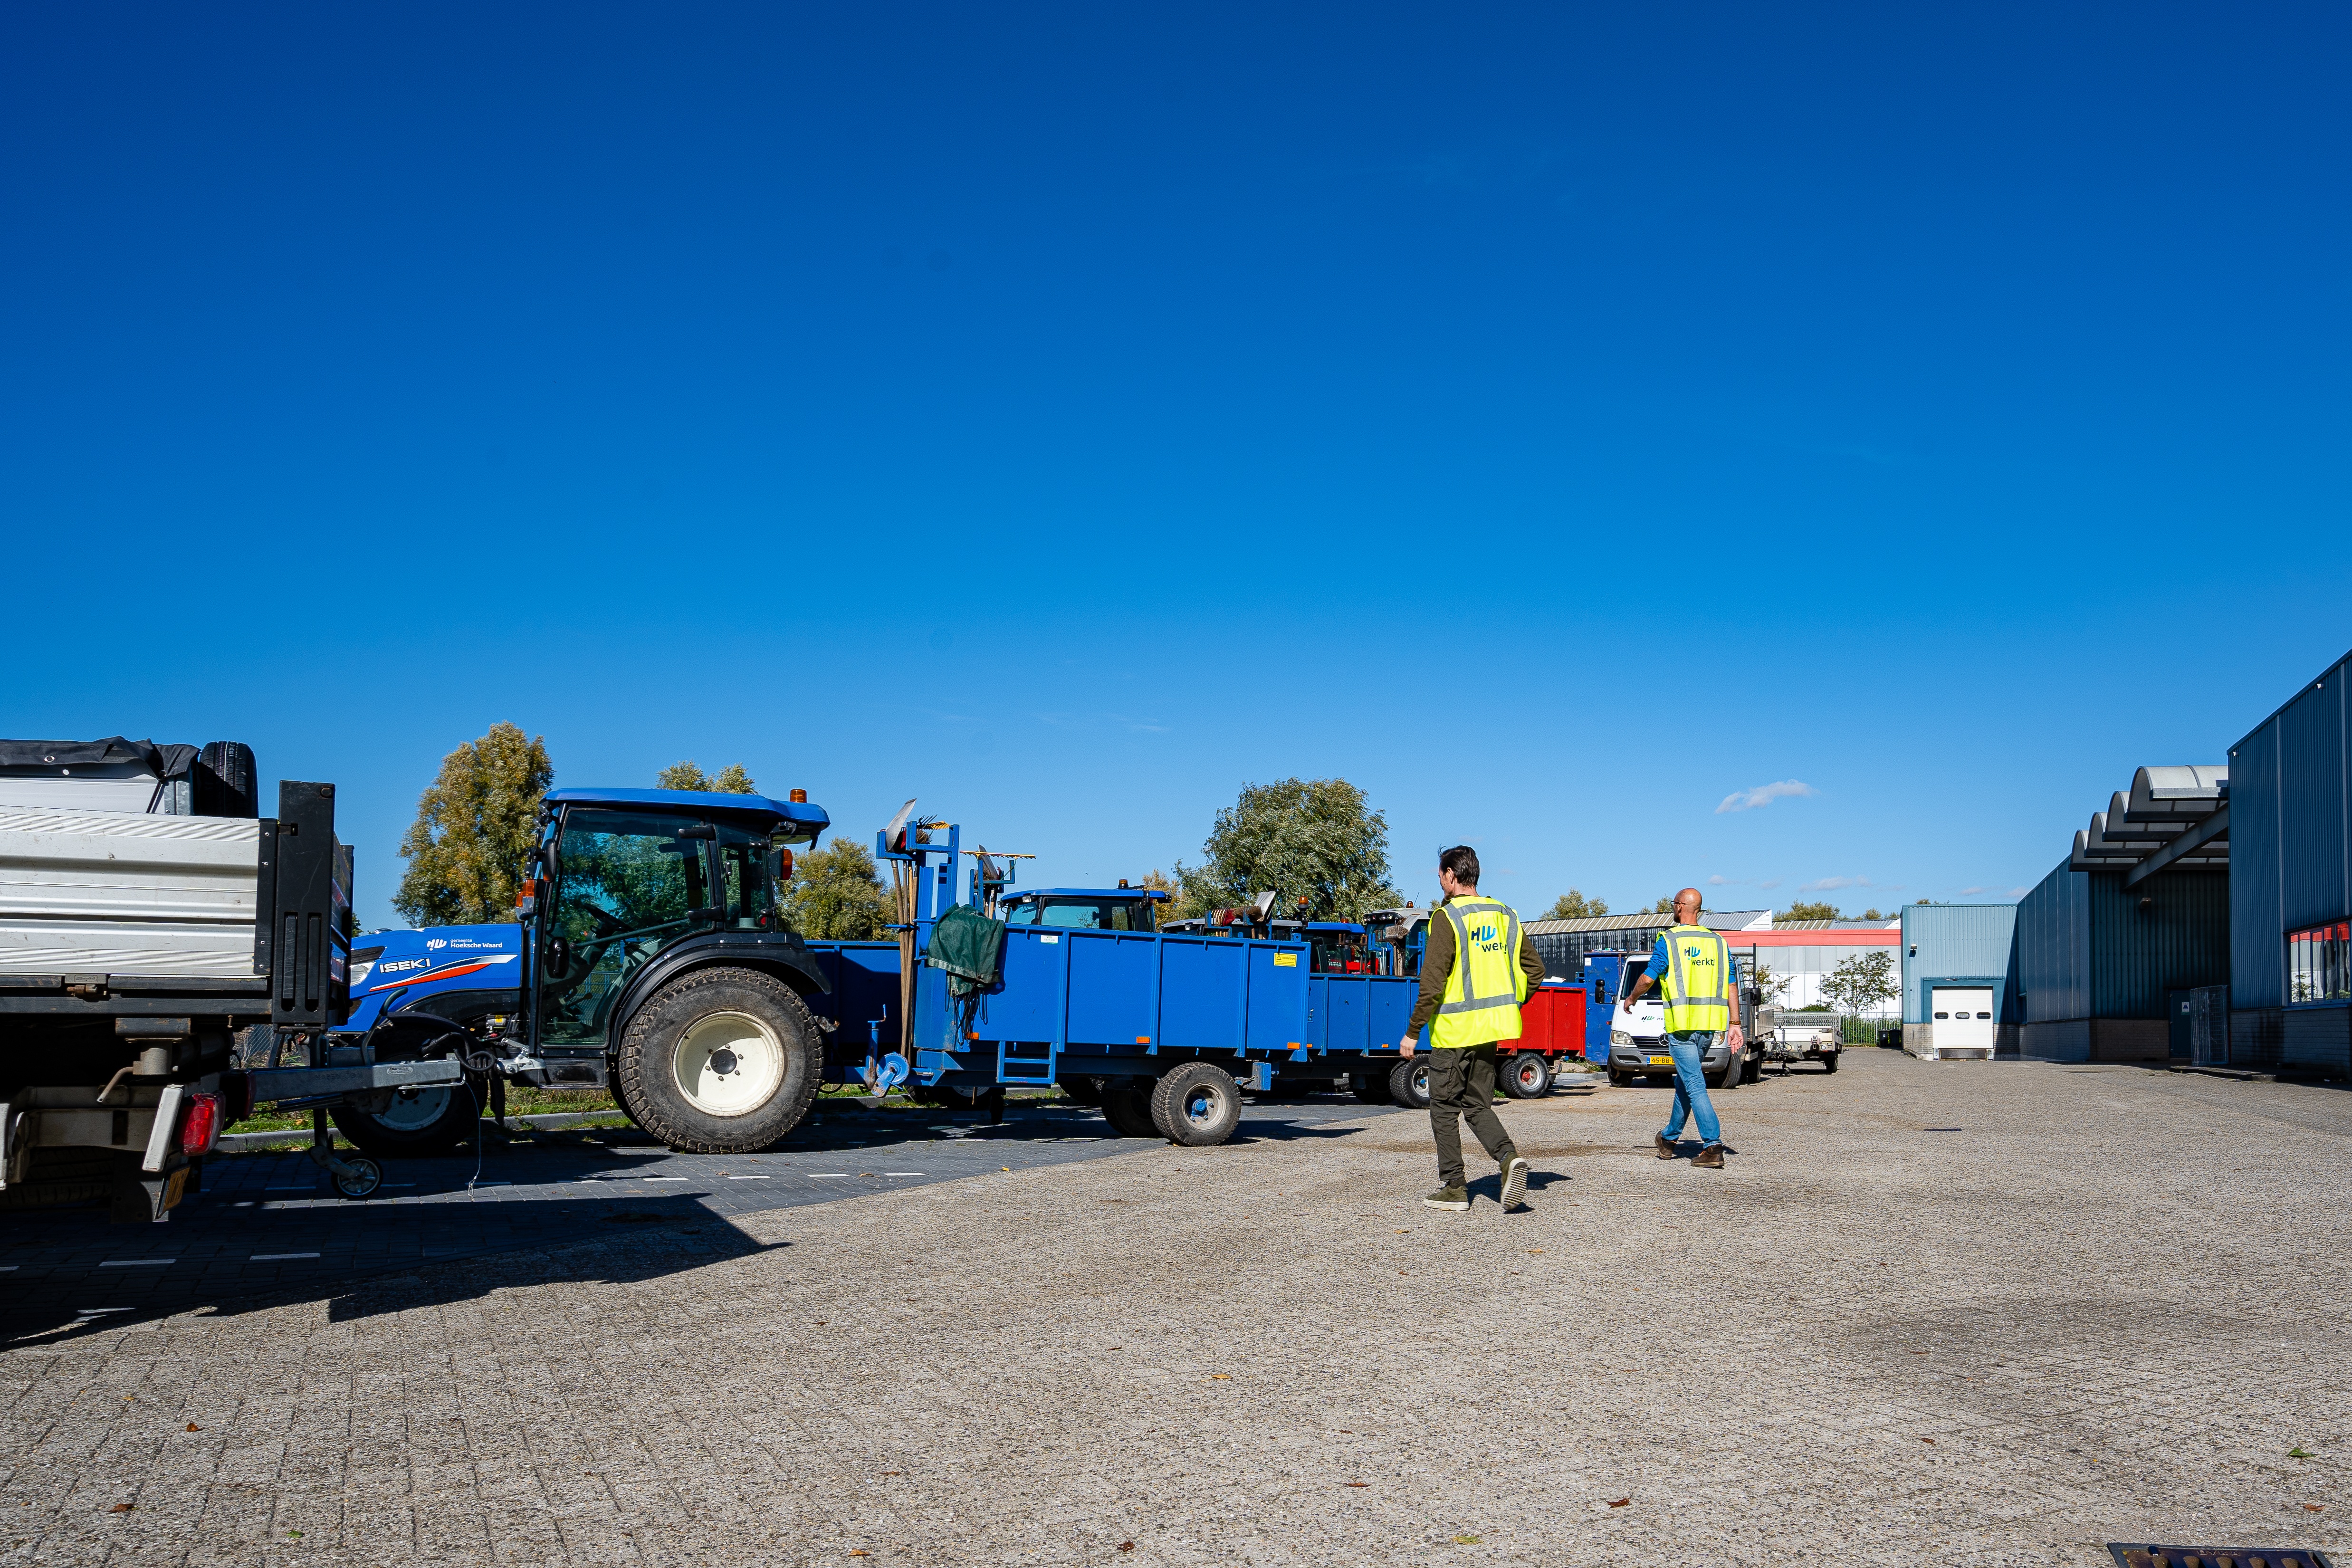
point(1710, 1158)
point(1665, 1150)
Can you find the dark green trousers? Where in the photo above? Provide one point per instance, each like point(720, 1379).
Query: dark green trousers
point(1462, 1085)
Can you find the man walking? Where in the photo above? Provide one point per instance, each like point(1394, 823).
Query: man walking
point(1475, 972)
point(1693, 965)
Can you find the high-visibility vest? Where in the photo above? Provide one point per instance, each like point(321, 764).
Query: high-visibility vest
point(1697, 981)
point(1484, 993)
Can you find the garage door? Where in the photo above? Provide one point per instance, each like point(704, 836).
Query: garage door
point(1962, 1016)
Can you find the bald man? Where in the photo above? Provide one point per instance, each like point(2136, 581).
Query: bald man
point(1693, 965)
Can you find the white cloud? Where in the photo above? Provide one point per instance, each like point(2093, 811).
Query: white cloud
point(1830, 884)
point(1768, 886)
point(2019, 892)
point(1965, 892)
point(1763, 795)
point(1716, 882)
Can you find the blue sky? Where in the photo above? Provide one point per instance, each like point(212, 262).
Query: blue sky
point(1557, 421)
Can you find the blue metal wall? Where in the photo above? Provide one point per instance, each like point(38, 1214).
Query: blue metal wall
point(2086, 948)
point(1958, 942)
point(2288, 834)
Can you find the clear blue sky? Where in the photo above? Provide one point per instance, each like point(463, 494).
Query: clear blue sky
point(1553, 419)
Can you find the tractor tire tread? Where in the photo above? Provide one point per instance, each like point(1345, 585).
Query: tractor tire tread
point(642, 1092)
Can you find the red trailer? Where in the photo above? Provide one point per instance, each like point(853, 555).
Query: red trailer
point(1552, 1024)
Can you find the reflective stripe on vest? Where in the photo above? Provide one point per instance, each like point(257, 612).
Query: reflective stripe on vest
point(1698, 991)
point(1484, 992)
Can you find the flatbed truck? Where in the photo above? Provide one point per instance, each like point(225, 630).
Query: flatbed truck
point(150, 916)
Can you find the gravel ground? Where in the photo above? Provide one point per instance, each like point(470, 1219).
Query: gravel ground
point(2091, 1312)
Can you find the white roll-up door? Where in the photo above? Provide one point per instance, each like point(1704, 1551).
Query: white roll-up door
point(1962, 1016)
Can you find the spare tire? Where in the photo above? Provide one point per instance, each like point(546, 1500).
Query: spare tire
point(720, 1061)
point(221, 781)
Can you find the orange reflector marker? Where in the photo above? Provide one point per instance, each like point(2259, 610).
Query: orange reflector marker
point(1143, 1039)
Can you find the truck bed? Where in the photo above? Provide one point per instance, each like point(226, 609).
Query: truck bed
point(117, 893)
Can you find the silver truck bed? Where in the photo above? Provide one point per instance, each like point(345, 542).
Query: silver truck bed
point(111, 893)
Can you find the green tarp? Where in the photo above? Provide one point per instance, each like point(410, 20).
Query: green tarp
point(969, 946)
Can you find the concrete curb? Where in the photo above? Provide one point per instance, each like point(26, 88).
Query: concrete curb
point(295, 1137)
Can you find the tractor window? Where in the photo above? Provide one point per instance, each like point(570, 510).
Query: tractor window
point(1072, 917)
point(625, 888)
point(748, 889)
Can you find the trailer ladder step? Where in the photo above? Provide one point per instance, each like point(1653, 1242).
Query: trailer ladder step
point(1026, 1062)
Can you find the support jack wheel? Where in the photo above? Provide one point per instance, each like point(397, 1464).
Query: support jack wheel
point(359, 1177)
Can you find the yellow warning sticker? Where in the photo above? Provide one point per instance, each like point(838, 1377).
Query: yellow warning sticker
point(1286, 961)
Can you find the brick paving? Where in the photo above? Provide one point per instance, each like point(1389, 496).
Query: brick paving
point(2108, 1306)
point(269, 1220)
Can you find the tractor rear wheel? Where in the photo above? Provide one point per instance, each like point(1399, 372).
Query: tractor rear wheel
point(1128, 1108)
point(1196, 1105)
point(1526, 1075)
point(720, 1061)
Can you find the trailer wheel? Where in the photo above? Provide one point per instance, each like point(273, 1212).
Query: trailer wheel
point(1829, 1063)
point(1082, 1088)
point(1527, 1076)
point(418, 1122)
point(1196, 1105)
point(1128, 1111)
point(720, 1061)
point(1409, 1083)
point(1372, 1089)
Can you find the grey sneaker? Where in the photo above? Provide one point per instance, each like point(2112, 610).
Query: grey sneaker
point(1665, 1150)
point(1454, 1198)
point(1514, 1183)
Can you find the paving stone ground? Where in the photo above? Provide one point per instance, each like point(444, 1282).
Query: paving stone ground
point(1930, 1312)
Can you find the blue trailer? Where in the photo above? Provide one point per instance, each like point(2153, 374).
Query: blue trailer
point(1166, 1028)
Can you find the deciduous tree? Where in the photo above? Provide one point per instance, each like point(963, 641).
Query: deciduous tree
point(1862, 983)
point(1803, 910)
point(732, 779)
point(1316, 839)
point(835, 894)
point(1573, 905)
point(473, 830)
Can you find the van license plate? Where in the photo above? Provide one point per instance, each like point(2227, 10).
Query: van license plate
point(1662, 1062)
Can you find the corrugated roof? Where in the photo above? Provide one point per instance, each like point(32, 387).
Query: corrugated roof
point(1648, 919)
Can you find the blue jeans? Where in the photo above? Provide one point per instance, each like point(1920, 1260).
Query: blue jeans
point(1689, 1051)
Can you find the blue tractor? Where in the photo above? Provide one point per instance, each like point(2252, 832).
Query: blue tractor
point(649, 961)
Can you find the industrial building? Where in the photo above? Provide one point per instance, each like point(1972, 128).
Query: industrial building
point(1796, 956)
point(1959, 980)
point(2203, 919)
point(1562, 944)
point(2289, 820)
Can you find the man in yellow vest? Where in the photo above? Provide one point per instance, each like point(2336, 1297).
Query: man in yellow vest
point(1693, 966)
point(1474, 973)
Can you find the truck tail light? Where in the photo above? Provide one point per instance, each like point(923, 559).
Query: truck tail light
point(201, 1124)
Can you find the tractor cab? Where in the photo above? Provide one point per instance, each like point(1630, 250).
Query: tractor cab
point(1084, 909)
point(628, 875)
point(1339, 947)
point(1397, 939)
